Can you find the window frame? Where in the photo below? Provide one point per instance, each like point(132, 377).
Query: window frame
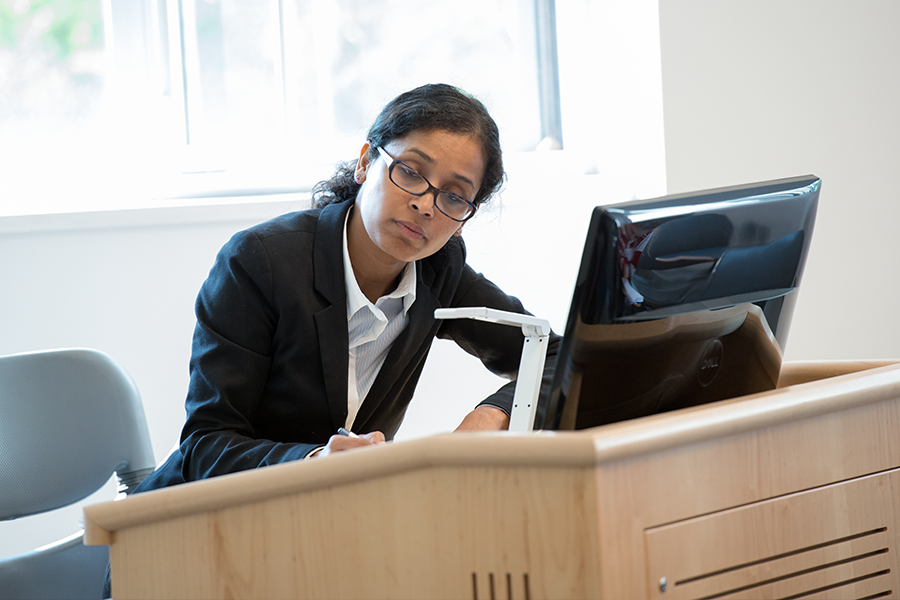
point(151, 34)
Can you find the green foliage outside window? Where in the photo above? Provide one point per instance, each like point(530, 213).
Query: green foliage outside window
point(58, 26)
point(52, 64)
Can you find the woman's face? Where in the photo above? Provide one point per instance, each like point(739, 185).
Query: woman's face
point(400, 226)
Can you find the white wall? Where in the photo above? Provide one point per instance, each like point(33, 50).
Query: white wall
point(767, 89)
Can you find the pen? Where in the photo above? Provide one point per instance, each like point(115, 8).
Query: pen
point(347, 432)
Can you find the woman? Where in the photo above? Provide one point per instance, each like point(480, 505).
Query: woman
point(323, 318)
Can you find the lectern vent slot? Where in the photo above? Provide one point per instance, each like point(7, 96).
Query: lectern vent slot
point(775, 557)
point(500, 587)
point(810, 592)
point(854, 566)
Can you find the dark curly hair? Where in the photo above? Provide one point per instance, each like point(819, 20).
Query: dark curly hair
point(433, 107)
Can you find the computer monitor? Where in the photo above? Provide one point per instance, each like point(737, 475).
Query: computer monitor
point(682, 300)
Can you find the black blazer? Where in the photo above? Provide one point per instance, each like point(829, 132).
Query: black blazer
point(269, 360)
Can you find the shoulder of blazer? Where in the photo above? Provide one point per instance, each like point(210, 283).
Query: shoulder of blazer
point(317, 231)
point(439, 272)
point(303, 222)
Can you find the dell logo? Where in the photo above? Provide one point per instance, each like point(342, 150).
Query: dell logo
point(710, 362)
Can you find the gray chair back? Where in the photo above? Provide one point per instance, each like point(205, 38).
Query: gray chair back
point(69, 419)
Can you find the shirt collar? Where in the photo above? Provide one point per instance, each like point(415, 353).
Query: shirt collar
point(356, 300)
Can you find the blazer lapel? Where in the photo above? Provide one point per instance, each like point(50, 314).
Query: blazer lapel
point(331, 322)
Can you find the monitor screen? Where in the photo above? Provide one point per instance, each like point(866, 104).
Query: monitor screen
point(682, 300)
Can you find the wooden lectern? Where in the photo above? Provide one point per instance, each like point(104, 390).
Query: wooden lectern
point(793, 493)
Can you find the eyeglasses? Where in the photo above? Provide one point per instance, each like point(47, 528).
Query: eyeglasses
point(408, 179)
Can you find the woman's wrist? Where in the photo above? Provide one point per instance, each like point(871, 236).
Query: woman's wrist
point(485, 418)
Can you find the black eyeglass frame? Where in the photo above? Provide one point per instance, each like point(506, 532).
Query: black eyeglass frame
point(393, 162)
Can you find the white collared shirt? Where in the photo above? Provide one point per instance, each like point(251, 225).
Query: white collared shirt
point(372, 328)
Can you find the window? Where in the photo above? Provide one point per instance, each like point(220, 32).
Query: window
point(312, 70)
point(204, 98)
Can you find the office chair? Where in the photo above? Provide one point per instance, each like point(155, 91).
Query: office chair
point(68, 420)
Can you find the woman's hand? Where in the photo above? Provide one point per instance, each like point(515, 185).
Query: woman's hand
point(339, 443)
point(485, 418)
